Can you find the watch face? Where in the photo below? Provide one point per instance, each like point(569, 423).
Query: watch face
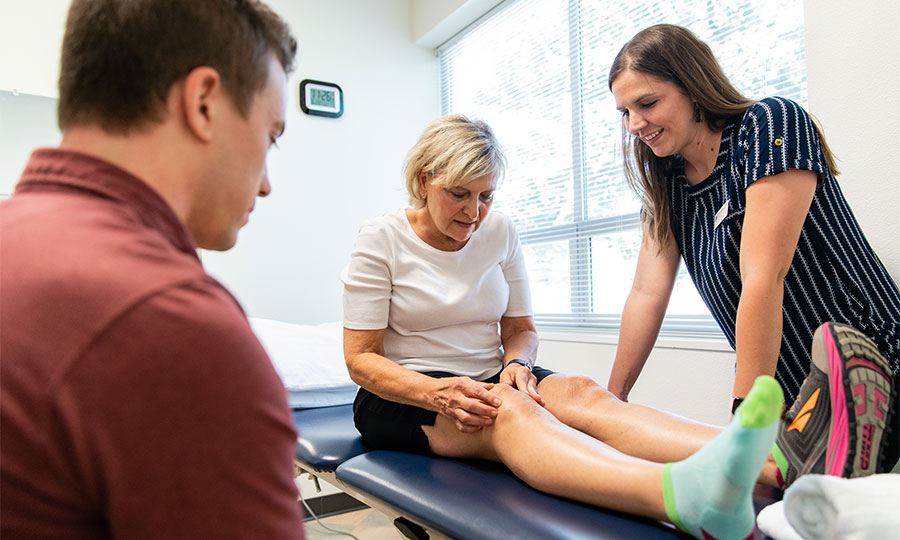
point(321, 98)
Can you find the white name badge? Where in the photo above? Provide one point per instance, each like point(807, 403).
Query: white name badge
point(721, 214)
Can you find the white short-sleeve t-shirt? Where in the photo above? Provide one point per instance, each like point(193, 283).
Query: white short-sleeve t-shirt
point(441, 309)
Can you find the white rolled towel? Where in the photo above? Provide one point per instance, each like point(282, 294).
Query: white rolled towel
point(774, 524)
point(824, 507)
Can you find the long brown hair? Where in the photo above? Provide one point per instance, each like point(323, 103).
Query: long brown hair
point(675, 54)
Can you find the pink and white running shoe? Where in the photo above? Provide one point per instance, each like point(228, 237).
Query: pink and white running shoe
point(837, 426)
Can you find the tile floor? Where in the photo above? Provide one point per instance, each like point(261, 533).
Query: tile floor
point(365, 524)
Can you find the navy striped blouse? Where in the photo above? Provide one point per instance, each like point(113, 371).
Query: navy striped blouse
point(835, 274)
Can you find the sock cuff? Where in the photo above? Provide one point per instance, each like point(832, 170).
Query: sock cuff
point(669, 497)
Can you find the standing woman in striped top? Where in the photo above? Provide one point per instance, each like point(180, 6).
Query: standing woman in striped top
point(745, 193)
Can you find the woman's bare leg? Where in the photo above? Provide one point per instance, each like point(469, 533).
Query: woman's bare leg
point(555, 458)
point(708, 494)
point(633, 429)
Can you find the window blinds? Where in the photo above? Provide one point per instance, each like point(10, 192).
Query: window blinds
point(536, 71)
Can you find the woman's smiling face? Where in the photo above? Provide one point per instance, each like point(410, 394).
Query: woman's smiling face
point(657, 111)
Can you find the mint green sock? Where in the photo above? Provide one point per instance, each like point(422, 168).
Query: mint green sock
point(709, 495)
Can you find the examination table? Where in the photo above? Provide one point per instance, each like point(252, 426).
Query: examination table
point(433, 498)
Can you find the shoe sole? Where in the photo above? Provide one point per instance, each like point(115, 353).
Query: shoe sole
point(860, 405)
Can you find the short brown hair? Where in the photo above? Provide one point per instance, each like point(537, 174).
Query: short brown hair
point(120, 58)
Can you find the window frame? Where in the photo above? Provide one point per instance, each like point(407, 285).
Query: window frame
point(579, 233)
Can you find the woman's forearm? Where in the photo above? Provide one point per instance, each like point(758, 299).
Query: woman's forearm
point(522, 344)
point(389, 380)
point(758, 332)
point(641, 321)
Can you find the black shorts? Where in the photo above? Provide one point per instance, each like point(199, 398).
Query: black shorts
point(387, 425)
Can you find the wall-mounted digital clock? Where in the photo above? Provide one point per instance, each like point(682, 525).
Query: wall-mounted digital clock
point(321, 98)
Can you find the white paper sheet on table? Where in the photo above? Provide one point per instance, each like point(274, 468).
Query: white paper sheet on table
point(310, 361)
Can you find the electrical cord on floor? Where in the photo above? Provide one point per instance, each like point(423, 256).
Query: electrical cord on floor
point(326, 527)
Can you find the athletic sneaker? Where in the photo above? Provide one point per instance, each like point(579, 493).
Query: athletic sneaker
point(837, 425)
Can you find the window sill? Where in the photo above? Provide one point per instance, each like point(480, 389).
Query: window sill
point(666, 340)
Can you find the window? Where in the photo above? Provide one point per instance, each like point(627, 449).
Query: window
point(536, 71)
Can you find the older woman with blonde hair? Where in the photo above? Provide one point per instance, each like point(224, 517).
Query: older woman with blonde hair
point(439, 334)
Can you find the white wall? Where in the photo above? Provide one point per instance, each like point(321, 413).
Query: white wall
point(30, 38)
point(428, 15)
point(436, 21)
point(34, 118)
point(331, 174)
point(854, 81)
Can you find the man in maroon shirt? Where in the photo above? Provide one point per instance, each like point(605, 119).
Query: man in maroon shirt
point(134, 400)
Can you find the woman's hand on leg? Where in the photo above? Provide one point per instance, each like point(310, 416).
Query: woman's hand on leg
point(521, 378)
point(468, 403)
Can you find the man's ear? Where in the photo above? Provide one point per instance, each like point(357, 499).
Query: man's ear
point(201, 94)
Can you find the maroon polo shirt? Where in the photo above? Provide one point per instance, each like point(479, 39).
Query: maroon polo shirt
point(135, 402)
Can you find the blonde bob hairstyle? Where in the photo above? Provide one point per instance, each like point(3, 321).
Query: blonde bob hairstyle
point(452, 151)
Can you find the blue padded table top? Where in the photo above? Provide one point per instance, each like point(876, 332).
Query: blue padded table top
point(468, 499)
point(327, 437)
point(479, 500)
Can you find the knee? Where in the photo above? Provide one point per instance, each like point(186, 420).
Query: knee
point(516, 404)
point(508, 394)
point(577, 392)
point(580, 385)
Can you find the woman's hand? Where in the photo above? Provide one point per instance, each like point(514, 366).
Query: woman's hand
point(469, 403)
point(522, 379)
point(520, 340)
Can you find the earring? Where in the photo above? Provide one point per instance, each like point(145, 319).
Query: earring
point(697, 117)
